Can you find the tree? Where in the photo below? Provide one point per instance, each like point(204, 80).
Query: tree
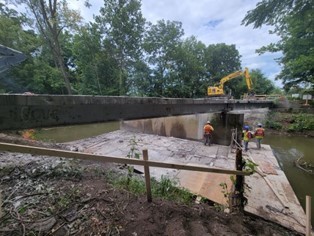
point(190, 71)
point(122, 24)
point(222, 60)
point(161, 43)
point(261, 85)
point(52, 18)
point(294, 23)
point(96, 71)
point(13, 35)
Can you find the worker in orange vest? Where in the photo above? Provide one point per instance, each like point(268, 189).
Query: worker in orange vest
point(208, 129)
point(259, 135)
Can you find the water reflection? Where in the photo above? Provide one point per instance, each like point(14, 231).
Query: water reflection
point(75, 132)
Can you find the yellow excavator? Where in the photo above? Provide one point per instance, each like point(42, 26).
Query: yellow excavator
point(218, 89)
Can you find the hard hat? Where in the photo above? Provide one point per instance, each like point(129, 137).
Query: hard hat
point(208, 122)
point(259, 125)
point(246, 127)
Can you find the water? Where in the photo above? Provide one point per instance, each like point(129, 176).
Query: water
point(287, 150)
point(75, 132)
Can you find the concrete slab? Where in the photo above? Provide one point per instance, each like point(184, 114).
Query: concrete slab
point(270, 196)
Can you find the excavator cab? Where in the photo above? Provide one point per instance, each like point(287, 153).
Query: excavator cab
point(215, 91)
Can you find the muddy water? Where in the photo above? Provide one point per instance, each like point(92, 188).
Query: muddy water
point(287, 150)
point(75, 132)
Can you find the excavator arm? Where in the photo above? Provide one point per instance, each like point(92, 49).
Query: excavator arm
point(248, 80)
point(218, 89)
point(229, 77)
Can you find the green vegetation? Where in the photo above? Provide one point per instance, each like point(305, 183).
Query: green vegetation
point(292, 21)
point(119, 54)
point(290, 122)
point(164, 189)
point(133, 153)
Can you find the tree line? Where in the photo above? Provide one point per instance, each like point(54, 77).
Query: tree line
point(120, 53)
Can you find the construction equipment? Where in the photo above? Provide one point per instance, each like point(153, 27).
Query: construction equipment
point(218, 89)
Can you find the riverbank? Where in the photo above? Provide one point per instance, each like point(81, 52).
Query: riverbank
point(290, 124)
point(44, 195)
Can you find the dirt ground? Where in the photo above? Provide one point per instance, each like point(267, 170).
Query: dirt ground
point(53, 196)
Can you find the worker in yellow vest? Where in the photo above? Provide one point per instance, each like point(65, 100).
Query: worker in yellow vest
point(259, 135)
point(247, 135)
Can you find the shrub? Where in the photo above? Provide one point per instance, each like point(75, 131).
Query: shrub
point(273, 125)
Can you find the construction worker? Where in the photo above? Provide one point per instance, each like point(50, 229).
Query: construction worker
point(259, 135)
point(208, 129)
point(246, 137)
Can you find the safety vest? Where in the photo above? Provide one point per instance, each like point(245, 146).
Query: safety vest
point(246, 135)
point(259, 133)
point(208, 129)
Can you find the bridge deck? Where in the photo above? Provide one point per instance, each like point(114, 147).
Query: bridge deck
point(270, 197)
point(31, 111)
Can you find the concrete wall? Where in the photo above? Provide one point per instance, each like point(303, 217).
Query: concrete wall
point(186, 127)
point(254, 116)
point(189, 126)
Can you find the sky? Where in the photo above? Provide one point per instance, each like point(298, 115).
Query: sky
point(212, 22)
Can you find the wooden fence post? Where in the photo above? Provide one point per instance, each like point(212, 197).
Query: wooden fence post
point(0, 204)
point(147, 176)
point(236, 200)
point(308, 215)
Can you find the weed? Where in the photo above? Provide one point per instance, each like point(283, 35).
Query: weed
point(250, 166)
point(168, 189)
point(219, 207)
point(165, 188)
point(133, 153)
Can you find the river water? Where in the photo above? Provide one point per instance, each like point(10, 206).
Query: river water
point(287, 150)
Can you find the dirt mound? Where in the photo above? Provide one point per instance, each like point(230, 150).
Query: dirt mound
point(52, 196)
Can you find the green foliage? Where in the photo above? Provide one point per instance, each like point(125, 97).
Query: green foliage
point(293, 23)
point(134, 150)
point(290, 122)
point(118, 54)
point(302, 122)
point(225, 190)
point(165, 188)
point(250, 166)
point(273, 125)
point(123, 24)
point(133, 185)
point(168, 189)
point(161, 44)
point(133, 153)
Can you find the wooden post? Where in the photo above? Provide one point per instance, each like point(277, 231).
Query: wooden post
point(236, 200)
point(0, 204)
point(308, 215)
point(147, 176)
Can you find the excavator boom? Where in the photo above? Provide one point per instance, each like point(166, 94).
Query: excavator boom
point(218, 90)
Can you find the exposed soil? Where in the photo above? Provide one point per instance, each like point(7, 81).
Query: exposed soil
point(53, 196)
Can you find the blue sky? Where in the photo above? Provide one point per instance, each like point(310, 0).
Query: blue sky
point(212, 22)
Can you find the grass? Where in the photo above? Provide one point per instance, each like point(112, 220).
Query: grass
point(164, 189)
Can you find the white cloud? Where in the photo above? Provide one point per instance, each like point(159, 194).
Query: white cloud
point(212, 22)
